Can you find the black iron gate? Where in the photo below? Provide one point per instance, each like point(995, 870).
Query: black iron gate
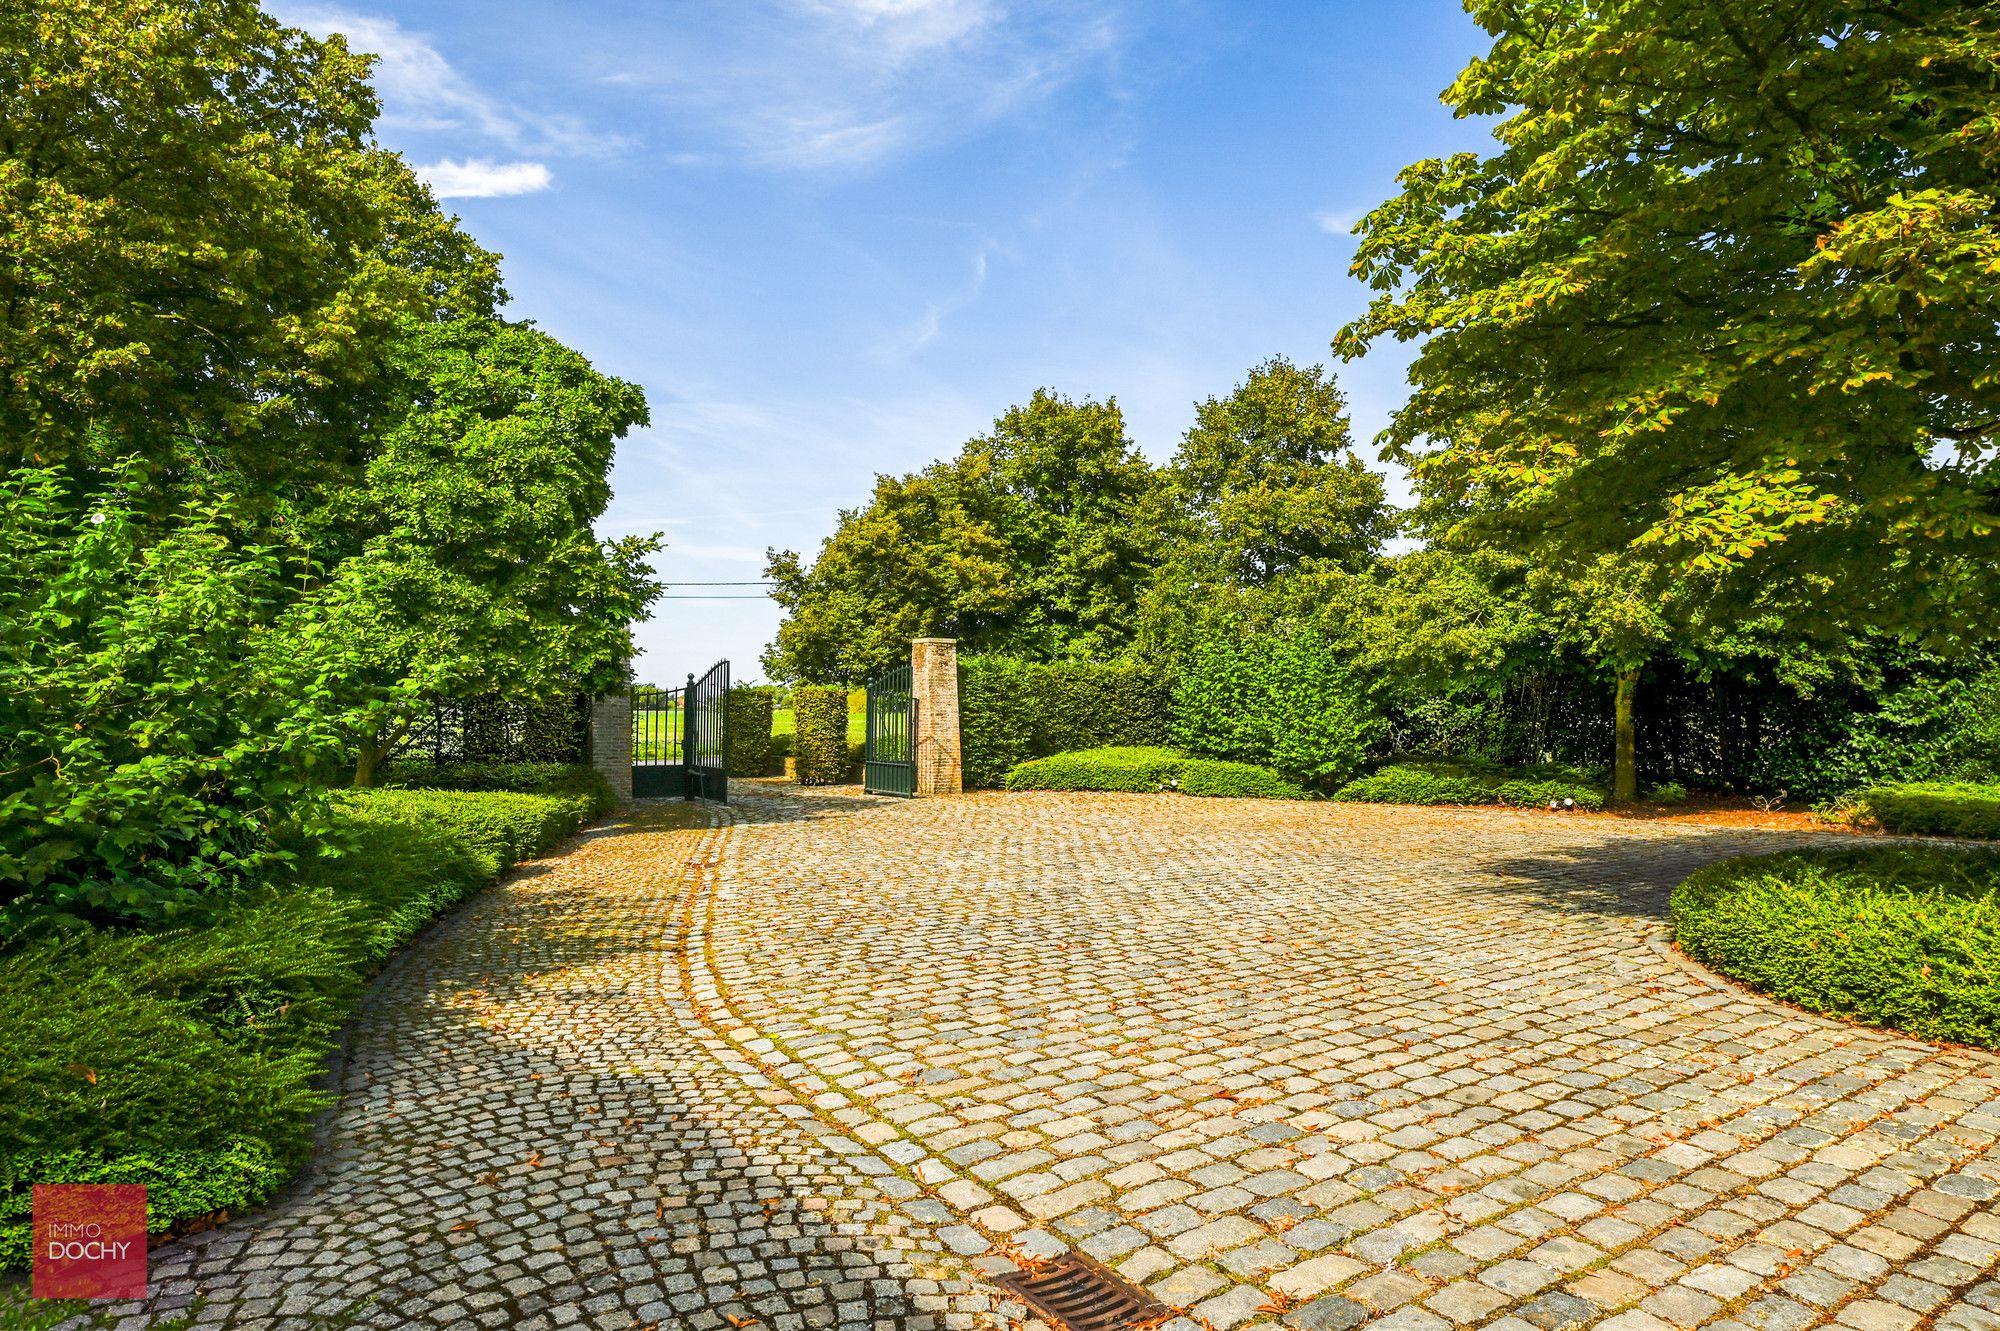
point(680, 739)
point(891, 757)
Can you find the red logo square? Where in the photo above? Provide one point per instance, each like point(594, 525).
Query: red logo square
point(90, 1241)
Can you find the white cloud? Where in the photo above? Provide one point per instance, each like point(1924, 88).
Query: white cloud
point(843, 84)
point(1340, 223)
point(422, 93)
point(478, 178)
point(927, 326)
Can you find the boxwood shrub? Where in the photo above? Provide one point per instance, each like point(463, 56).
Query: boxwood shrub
point(579, 785)
point(1899, 936)
point(1938, 808)
point(1474, 783)
point(819, 738)
point(185, 1059)
point(1213, 776)
point(1150, 768)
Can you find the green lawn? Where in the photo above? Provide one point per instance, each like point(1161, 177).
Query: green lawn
point(783, 724)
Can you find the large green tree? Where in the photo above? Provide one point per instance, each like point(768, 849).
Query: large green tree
point(206, 261)
point(1718, 318)
point(1033, 541)
point(1262, 508)
point(484, 577)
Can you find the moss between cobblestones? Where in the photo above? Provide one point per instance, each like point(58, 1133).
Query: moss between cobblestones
point(1906, 937)
point(186, 1060)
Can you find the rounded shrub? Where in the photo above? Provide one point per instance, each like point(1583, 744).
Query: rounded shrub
point(1116, 768)
point(819, 737)
point(1897, 936)
point(1936, 808)
point(1214, 777)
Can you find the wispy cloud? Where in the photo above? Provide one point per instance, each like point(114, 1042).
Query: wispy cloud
point(1340, 222)
point(477, 178)
point(930, 323)
point(844, 84)
point(422, 92)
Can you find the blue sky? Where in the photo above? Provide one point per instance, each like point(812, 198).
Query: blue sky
point(833, 238)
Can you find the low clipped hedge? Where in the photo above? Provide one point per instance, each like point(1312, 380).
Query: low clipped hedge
point(819, 734)
point(1899, 936)
point(1145, 769)
point(185, 1060)
point(1938, 808)
point(1466, 783)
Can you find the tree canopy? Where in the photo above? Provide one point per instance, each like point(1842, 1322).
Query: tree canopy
point(1723, 303)
point(1032, 541)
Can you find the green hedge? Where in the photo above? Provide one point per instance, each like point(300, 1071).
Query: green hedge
point(751, 747)
point(1473, 783)
point(1012, 711)
point(1284, 700)
point(185, 1059)
point(819, 738)
point(1149, 768)
point(1899, 936)
point(1933, 808)
point(1215, 777)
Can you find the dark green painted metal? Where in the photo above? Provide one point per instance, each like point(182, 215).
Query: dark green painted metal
point(680, 739)
point(890, 759)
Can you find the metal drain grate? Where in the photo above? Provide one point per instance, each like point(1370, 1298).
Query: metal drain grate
point(1083, 1294)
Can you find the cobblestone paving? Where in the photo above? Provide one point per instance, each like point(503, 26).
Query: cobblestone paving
point(1327, 1065)
point(536, 1132)
point(825, 1060)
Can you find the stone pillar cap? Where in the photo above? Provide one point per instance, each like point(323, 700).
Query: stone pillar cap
point(934, 640)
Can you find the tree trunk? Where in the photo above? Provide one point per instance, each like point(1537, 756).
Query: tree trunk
point(366, 762)
point(1625, 766)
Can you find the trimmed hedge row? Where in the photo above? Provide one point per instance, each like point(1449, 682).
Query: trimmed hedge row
point(1147, 769)
point(1939, 808)
point(819, 736)
point(1465, 783)
point(751, 744)
point(1899, 936)
point(1010, 712)
point(186, 1059)
point(579, 786)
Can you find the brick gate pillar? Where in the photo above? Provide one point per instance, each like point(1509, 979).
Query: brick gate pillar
point(934, 681)
point(611, 741)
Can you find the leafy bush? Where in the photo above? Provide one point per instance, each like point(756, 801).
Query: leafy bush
point(185, 1059)
point(750, 746)
point(1934, 808)
point(162, 726)
point(1012, 711)
point(1898, 936)
point(1668, 792)
point(1216, 777)
point(1146, 769)
point(1114, 768)
point(1284, 699)
point(1473, 783)
point(819, 740)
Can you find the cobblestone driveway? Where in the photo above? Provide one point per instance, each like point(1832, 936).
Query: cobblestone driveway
point(830, 1059)
point(1323, 1064)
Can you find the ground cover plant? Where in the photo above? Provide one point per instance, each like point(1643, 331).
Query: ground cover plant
point(1147, 769)
point(1901, 936)
point(1935, 808)
point(1436, 782)
point(185, 1059)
